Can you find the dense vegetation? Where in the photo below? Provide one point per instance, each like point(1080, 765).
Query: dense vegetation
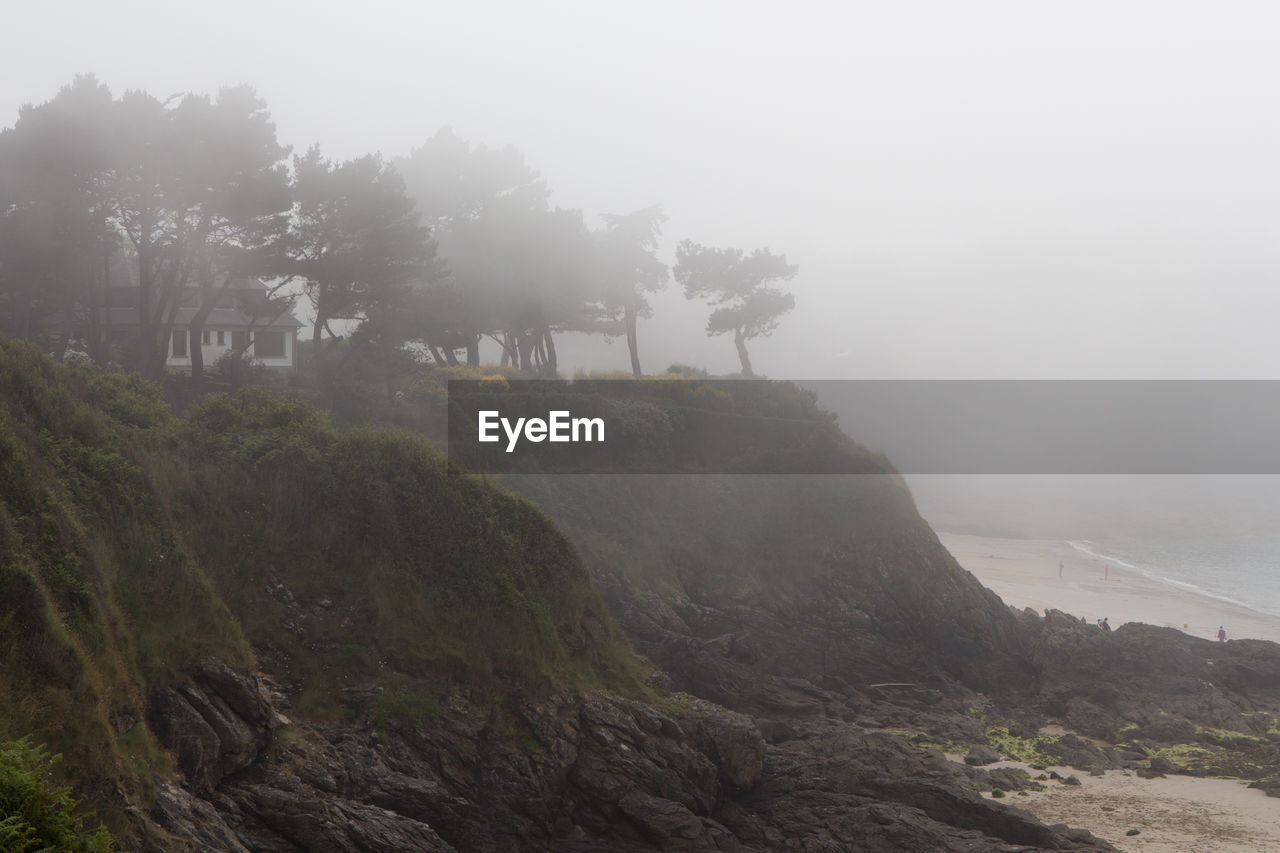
point(412, 260)
point(133, 543)
point(36, 816)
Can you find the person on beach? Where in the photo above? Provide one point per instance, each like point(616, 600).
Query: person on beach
point(1106, 626)
point(1222, 634)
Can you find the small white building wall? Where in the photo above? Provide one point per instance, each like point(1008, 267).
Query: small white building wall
point(290, 340)
point(213, 351)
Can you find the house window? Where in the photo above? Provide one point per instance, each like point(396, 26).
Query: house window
point(268, 344)
point(123, 297)
point(179, 343)
point(205, 337)
point(237, 341)
point(222, 338)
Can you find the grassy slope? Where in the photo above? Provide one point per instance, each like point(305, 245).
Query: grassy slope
point(822, 546)
point(712, 530)
point(132, 543)
point(392, 561)
point(92, 579)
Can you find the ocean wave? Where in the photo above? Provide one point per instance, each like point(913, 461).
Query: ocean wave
point(1083, 547)
point(1088, 548)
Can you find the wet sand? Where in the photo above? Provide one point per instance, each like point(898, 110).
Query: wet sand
point(1024, 572)
point(1172, 815)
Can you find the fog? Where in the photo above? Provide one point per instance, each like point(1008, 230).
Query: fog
point(985, 189)
point(977, 190)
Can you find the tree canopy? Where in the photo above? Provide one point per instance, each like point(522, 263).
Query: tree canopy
point(431, 253)
point(740, 289)
point(522, 269)
point(55, 227)
point(191, 189)
point(630, 269)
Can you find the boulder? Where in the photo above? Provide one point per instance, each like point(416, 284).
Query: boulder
point(981, 755)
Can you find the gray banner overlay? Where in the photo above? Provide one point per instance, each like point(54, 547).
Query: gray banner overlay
point(921, 427)
point(1063, 427)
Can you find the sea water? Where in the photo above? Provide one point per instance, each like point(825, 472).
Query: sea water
point(1241, 569)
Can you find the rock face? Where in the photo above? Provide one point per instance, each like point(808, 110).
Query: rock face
point(873, 622)
point(815, 619)
point(981, 755)
point(886, 633)
point(804, 685)
point(798, 598)
point(797, 672)
point(1212, 708)
point(215, 725)
point(589, 772)
point(1161, 682)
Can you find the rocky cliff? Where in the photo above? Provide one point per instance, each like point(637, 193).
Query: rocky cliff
point(568, 772)
point(247, 630)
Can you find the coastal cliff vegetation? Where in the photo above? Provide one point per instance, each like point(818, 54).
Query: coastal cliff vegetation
point(134, 544)
point(247, 628)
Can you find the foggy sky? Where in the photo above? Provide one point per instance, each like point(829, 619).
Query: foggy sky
point(971, 190)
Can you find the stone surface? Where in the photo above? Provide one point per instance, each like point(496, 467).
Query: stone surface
point(590, 772)
point(981, 755)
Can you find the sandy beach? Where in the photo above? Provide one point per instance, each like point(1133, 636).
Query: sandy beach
point(1172, 815)
point(1024, 572)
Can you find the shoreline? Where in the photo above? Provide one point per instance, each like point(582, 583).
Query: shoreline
point(1172, 814)
point(1025, 573)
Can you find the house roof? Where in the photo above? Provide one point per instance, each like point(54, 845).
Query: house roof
point(217, 317)
point(248, 296)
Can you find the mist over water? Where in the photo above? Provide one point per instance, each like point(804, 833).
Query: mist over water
point(1213, 535)
point(1241, 569)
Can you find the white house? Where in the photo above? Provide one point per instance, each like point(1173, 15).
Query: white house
point(244, 320)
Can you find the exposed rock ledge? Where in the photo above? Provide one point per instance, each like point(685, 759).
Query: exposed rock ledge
point(589, 772)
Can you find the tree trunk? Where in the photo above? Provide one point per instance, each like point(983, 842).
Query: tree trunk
point(473, 352)
point(435, 353)
point(740, 341)
point(629, 318)
point(160, 281)
point(146, 288)
point(524, 343)
point(195, 346)
point(509, 344)
point(209, 297)
point(195, 332)
point(317, 352)
point(550, 348)
point(97, 343)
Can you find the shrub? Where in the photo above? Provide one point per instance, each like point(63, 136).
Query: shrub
point(34, 816)
point(238, 369)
